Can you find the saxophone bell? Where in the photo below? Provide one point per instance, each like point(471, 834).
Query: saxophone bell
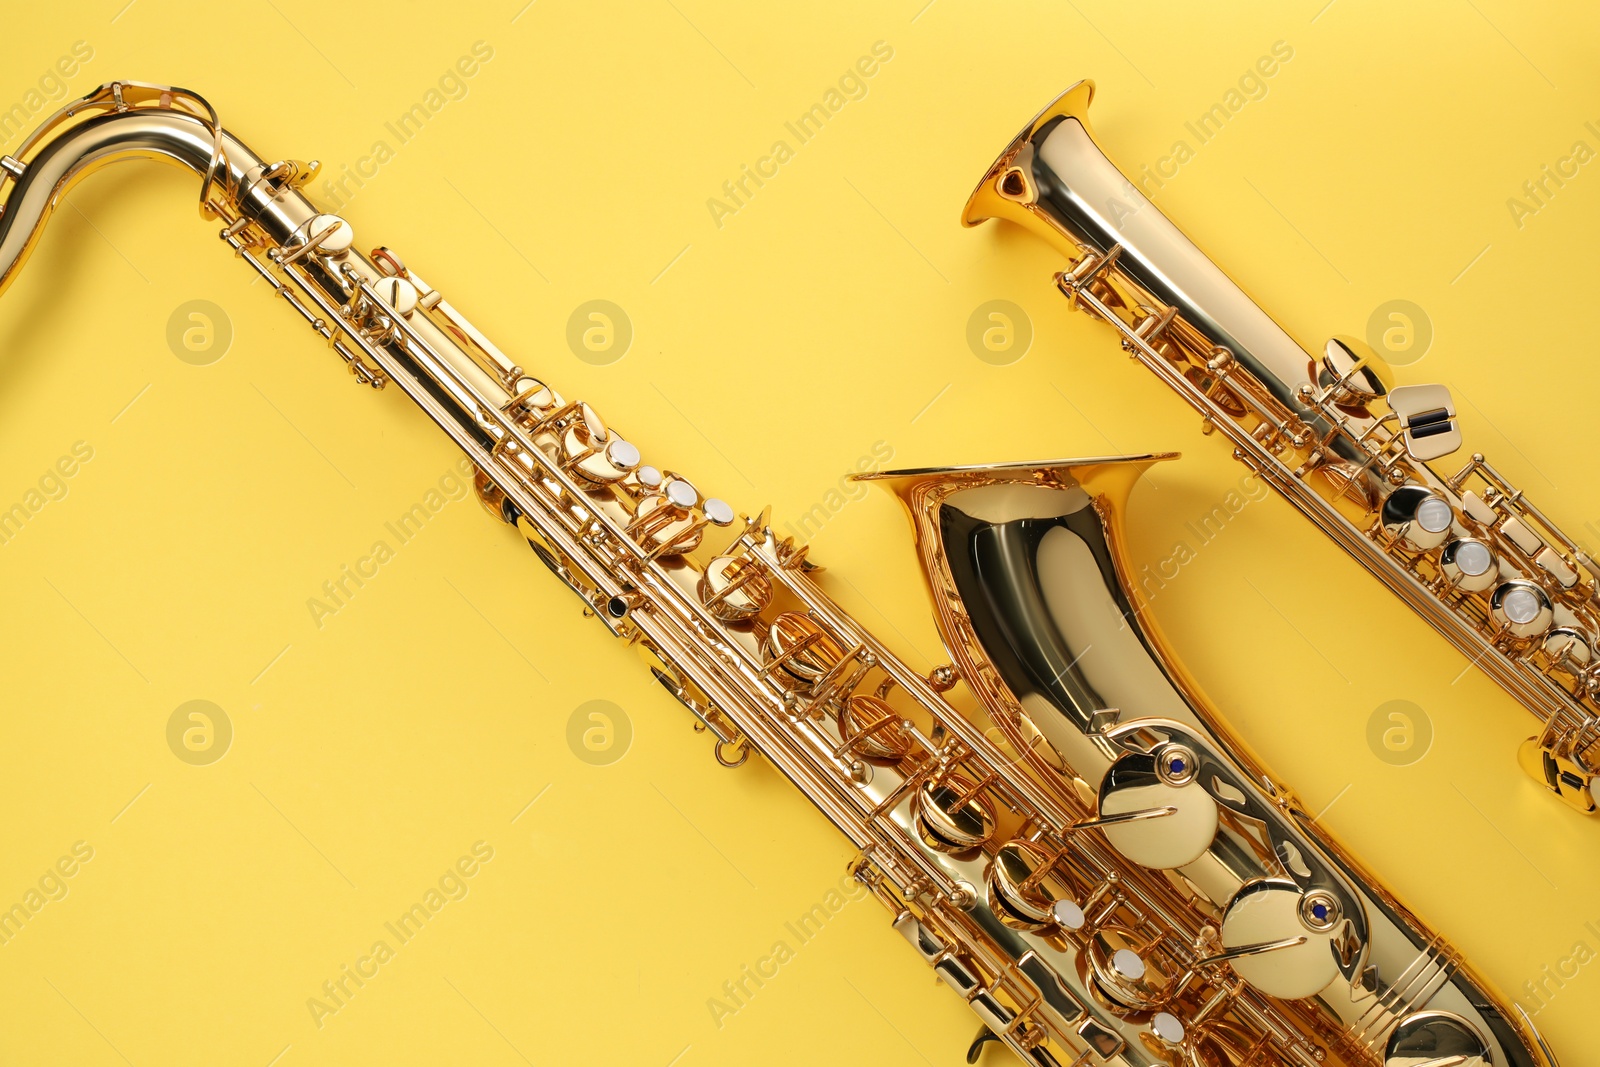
point(1030, 576)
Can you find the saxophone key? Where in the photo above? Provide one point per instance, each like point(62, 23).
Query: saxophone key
point(1281, 939)
point(399, 294)
point(1127, 974)
point(532, 400)
point(1436, 1039)
point(871, 727)
point(1521, 534)
point(1101, 1039)
point(594, 455)
point(1351, 375)
point(1420, 516)
point(1552, 563)
point(1521, 608)
point(1167, 1028)
point(1427, 415)
point(328, 235)
point(665, 528)
point(1469, 564)
point(1569, 649)
point(1140, 784)
point(623, 455)
point(735, 588)
point(681, 493)
point(953, 814)
point(1477, 510)
point(798, 648)
point(1026, 889)
point(1068, 915)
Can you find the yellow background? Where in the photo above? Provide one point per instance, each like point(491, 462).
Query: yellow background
point(769, 355)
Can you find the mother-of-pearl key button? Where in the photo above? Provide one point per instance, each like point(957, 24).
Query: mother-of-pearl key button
point(649, 477)
point(682, 493)
point(1520, 605)
point(1474, 558)
point(624, 455)
point(339, 234)
point(718, 511)
point(1435, 514)
point(1167, 1027)
point(1127, 963)
point(1068, 915)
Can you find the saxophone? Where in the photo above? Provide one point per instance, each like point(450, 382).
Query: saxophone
point(1333, 434)
point(1058, 822)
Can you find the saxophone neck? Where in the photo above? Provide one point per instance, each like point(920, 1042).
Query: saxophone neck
point(134, 120)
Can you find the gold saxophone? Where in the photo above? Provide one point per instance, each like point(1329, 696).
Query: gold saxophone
point(1333, 434)
point(1059, 823)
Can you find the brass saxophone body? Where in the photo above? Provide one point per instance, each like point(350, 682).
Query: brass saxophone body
point(1059, 824)
point(1330, 432)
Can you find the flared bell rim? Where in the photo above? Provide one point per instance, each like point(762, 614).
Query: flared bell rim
point(1144, 458)
point(1073, 102)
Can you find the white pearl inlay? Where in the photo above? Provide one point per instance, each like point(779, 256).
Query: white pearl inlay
point(682, 493)
point(1435, 515)
point(1067, 914)
point(1521, 605)
point(1167, 1027)
point(624, 454)
point(1473, 558)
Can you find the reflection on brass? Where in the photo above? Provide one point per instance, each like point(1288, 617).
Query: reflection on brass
point(1029, 573)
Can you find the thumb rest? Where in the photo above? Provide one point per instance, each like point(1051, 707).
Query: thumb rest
point(1332, 434)
point(1059, 823)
